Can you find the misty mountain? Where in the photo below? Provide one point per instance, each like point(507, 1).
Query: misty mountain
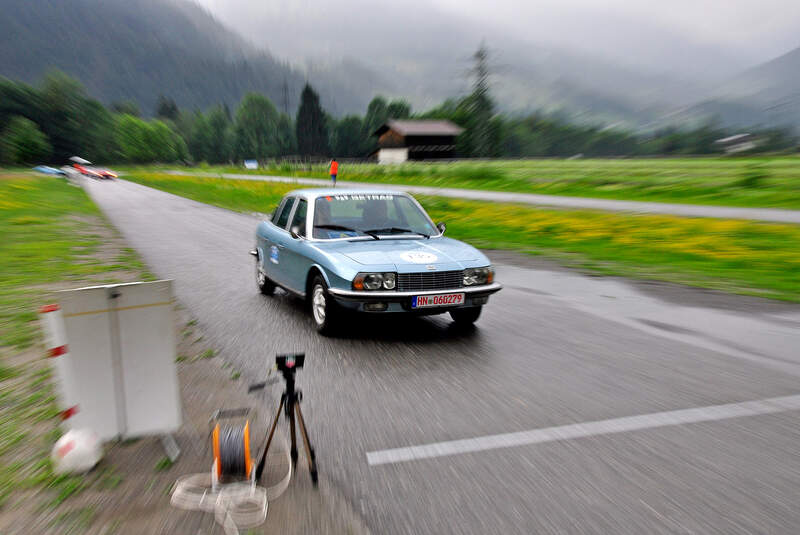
point(422, 51)
point(765, 95)
point(138, 49)
point(774, 86)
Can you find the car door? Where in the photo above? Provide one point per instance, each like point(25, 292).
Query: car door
point(265, 237)
point(295, 253)
point(275, 243)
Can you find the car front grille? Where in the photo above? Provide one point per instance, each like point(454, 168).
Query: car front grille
point(432, 280)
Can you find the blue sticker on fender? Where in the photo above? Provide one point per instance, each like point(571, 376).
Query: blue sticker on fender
point(273, 254)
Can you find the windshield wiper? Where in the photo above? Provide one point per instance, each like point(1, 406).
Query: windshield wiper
point(347, 229)
point(396, 230)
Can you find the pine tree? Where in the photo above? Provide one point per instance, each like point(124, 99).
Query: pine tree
point(166, 108)
point(311, 125)
point(481, 106)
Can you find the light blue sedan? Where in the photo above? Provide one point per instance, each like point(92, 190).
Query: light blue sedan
point(374, 251)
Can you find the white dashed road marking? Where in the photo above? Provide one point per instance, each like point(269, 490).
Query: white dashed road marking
point(602, 427)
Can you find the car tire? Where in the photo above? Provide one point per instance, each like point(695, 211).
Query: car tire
point(265, 285)
point(466, 316)
point(324, 310)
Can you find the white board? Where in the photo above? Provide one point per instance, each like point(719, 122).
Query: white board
point(121, 364)
point(86, 373)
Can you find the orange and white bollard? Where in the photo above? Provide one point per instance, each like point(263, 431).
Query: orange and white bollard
point(55, 335)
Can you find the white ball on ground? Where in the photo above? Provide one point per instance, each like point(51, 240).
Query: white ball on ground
point(76, 452)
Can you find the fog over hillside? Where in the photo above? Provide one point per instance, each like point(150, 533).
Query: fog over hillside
point(629, 61)
point(639, 64)
point(698, 37)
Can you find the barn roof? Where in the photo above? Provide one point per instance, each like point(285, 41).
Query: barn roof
point(420, 128)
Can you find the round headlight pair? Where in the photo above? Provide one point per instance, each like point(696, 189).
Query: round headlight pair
point(375, 281)
point(477, 276)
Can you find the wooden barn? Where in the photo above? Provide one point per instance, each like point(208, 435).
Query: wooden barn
point(400, 141)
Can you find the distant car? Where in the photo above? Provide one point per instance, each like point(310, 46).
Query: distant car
point(85, 170)
point(104, 173)
point(49, 170)
point(372, 251)
point(94, 172)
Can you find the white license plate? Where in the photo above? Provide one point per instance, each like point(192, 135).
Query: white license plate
point(445, 300)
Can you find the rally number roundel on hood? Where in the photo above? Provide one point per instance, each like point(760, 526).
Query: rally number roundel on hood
point(419, 257)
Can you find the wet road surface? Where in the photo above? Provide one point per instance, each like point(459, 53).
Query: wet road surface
point(552, 349)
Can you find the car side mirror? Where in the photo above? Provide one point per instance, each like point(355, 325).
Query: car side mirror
point(295, 232)
point(441, 227)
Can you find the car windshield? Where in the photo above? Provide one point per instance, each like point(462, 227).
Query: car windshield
point(351, 215)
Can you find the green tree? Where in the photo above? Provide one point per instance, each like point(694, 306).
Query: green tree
point(377, 114)
point(166, 108)
point(96, 125)
point(62, 101)
point(133, 139)
point(183, 124)
point(24, 143)
point(201, 138)
point(347, 137)
point(220, 148)
point(126, 107)
point(311, 125)
point(398, 109)
point(143, 142)
point(165, 145)
point(18, 99)
point(287, 145)
point(256, 128)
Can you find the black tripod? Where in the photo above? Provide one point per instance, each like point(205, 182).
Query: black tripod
point(290, 402)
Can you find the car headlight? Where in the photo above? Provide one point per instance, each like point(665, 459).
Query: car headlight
point(389, 281)
point(375, 281)
point(477, 276)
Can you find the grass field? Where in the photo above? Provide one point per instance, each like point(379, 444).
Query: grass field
point(741, 181)
point(50, 239)
point(735, 256)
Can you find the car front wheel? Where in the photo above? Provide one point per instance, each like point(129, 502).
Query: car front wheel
point(466, 316)
point(323, 307)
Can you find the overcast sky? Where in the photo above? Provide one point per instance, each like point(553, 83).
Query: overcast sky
point(723, 34)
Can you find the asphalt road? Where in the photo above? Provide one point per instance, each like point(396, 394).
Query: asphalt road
point(552, 349)
point(774, 215)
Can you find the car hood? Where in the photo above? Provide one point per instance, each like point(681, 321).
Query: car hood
point(409, 255)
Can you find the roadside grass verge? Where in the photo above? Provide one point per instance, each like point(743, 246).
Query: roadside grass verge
point(49, 236)
point(731, 181)
point(49, 240)
point(238, 195)
point(735, 256)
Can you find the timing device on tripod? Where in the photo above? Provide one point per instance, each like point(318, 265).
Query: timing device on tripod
point(231, 443)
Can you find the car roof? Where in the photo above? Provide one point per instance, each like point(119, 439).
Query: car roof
point(313, 193)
